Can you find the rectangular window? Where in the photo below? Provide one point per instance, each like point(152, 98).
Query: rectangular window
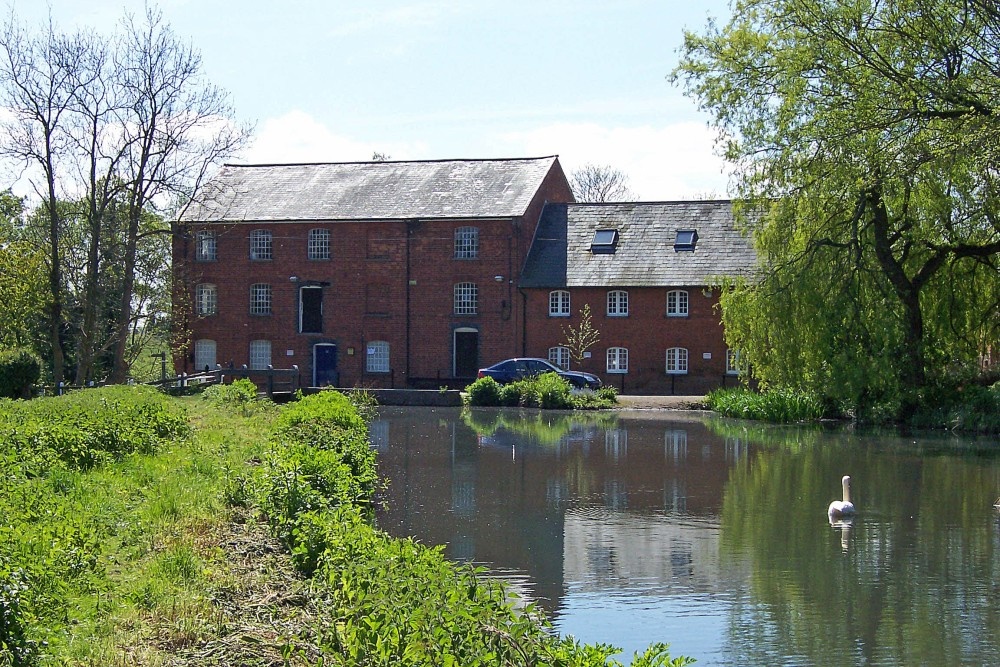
point(204, 247)
point(617, 360)
point(677, 361)
point(617, 303)
point(733, 362)
point(319, 244)
point(466, 299)
point(206, 299)
point(467, 243)
point(377, 358)
point(559, 303)
point(677, 303)
point(261, 245)
point(204, 355)
point(260, 354)
point(605, 241)
point(260, 299)
point(559, 356)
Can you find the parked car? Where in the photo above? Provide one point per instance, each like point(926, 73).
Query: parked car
point(511, 370)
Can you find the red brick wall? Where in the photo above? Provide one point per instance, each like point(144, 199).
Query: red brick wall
point(647, 332)
point(379, 272)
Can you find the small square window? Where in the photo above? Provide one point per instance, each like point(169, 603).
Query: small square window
point(377, 360)
point(559, 356)
point(618, 303)
point(205, 247)
point(319, 244)
point(260, 354)
point(261, 245)
point(260, 299)
point(466, 299)
point(206, 299)
point(605, 241)
point(686, 239)
point(467, 243)
point(617, 360)
point(677, 361)
point(677, 303)
point(559, 303)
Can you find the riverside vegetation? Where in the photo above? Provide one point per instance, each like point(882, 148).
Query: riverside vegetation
point(146, 530)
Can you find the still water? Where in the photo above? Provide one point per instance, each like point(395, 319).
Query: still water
point(712, 535)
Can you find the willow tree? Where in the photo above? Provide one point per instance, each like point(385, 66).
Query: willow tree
point(865, 138)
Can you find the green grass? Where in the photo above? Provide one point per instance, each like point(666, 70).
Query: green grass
point(781, 406)
point(195, 546)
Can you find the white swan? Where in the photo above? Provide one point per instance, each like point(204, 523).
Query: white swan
point(845, 507)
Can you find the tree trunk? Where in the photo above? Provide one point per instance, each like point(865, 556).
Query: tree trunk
point(912, 373)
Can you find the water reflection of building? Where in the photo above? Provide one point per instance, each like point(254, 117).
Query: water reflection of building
point(557, 507)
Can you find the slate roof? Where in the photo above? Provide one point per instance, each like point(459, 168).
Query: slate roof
point(560, 254)
point(432, 189)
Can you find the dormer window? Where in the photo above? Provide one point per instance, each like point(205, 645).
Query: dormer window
point(686, 239)
point(605, 241)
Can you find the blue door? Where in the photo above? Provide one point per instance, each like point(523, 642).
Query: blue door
point(325, 365)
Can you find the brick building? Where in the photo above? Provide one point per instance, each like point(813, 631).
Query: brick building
point(403, 274)
point(646, 271)
point(382, 274)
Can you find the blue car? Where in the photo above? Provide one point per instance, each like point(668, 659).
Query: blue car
point(512, 370)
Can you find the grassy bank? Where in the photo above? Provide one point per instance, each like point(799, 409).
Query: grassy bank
point(141, 530)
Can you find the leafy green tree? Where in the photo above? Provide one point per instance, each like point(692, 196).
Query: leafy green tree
point(22, 280)
point(865, 138)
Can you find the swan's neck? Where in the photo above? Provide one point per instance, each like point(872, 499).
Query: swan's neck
point(847, 491)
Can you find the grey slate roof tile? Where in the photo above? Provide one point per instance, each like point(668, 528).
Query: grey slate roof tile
point(433, 189)
point(560, 253)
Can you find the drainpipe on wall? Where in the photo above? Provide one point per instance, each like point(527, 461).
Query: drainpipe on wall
point(524, 323)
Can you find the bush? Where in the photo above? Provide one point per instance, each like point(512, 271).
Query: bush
point(240, 394)
point(19, 370)
point(89, 427)
point(484, 392)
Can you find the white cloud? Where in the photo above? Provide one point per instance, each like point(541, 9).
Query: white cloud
point(675, 161)
point(298, 137)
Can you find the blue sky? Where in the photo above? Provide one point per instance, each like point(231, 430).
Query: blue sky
point(335, 80)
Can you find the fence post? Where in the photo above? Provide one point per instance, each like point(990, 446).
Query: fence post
point(270, 381)
point(60, 390)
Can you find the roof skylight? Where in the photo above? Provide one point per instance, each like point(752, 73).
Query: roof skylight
point(605, 241)
point(686, 239)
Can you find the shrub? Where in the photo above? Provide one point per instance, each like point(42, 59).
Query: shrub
point(86, 428)
point(484, 392)
point(240, 394)
point(775, 405)
point(19, 370)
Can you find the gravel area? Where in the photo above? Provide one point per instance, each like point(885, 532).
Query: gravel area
point(662, 402)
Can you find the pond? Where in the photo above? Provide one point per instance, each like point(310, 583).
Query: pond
point(711, 534)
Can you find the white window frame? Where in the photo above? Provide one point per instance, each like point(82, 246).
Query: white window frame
point(559, 303)
point(466, 299)
point(206, 247)
point(733, 362)
point(318, 247)
point(377, 357)
point(261, 245)
point(260, 355)
point(617, 303)
point(260, 299)
point(467, 243)
point(206, 299)
point(678, 303)
point(677, 361)
point(204, 354)
point(559, 356)
point(617, 360)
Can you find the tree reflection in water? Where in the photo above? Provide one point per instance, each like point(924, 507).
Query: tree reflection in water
point(712, 535)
